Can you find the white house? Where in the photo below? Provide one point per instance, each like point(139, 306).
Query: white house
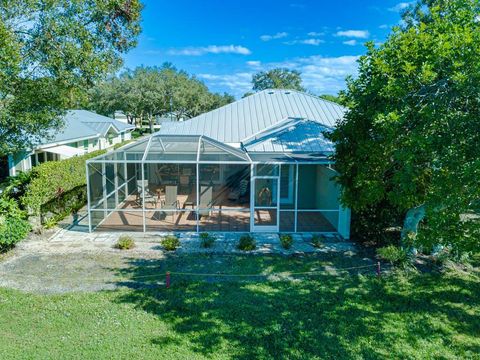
point(83, 132)
point(259, 164)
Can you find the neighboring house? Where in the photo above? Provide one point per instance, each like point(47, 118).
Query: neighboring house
point(259, 164)
point(83, 132)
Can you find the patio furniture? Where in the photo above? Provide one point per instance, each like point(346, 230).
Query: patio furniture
point(206, 202)
point(240, 191)
point(185, 182)
point(171, 202)
point(149, 196)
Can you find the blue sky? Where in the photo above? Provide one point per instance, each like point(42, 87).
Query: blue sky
point(224, 42)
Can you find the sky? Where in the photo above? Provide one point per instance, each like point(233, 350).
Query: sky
point(224, 43)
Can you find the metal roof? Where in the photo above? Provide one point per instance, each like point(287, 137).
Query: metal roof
point(295, 136)
point(244, 118)
point(83, 124)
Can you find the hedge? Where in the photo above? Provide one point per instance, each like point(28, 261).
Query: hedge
point(52, 180)
point(12, 230)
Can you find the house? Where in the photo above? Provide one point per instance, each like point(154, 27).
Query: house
point(83, 132)
point(259, 164)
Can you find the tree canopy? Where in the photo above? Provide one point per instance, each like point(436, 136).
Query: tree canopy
point(49, 52)
point(411, 138)
point(279, 78)
point(147, 92)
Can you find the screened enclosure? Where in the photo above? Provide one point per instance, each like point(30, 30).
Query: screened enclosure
point(193, 183)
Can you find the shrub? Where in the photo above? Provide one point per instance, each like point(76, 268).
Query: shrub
point(12, 230)
point(64, 205)
point(286, 240)
point(206, 240)
point(246, 243)
point(170, 242)
point(52, 179)
point(125, 242)
point(393, 254)
point(318, 241)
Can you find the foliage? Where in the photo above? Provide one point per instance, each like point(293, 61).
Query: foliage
point(333, 98)
point(428, 316)
point(411, 136)
point(125, 242)
point(63, 205)
point(147, 92)
point(376, 225)
point(12, 230)
point(50, 180)
point(318, 241)
point(206, 240)
point(246, 243)
point(9, 207)
point(15, 186)
point(51, 51)
point(395, 255)
point(286, 240)
point(170, 242)
point(279, 78)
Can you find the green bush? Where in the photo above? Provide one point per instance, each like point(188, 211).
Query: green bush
point(12, 230)
point(286, 240)
point(393, 254)
point(318, 241)
point(125, 242)
point(246, 243)
point(64, 205)
point(52, 179)
point(170, 242)
point(206, 240)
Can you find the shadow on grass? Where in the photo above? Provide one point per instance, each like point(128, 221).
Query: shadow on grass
point(340, 315)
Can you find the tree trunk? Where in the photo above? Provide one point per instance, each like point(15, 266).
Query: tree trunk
point(410, 226)
point(150, 123)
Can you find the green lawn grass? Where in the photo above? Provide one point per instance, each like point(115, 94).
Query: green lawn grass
point(342, 316)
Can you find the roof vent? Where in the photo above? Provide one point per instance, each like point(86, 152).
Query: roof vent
point(271, 92)
point(287, 92)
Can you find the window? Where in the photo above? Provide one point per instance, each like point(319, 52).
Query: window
point(85, 144)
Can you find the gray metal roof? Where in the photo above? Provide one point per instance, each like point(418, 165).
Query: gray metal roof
point(244, 118)
point(81, 124)
point(295, 136)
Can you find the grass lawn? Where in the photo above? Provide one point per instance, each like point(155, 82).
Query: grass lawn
point(340, 316)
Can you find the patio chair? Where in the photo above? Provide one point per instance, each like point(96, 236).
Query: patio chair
point(185, 183)
point(206, 203)
point(240, 191)
point(149, 196)
point(171, 202)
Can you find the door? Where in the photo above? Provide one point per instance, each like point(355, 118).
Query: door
point(266, 198)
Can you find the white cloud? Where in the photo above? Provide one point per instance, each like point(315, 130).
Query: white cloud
point(401, 6)
point(350, 42)
point(254, 63)
point(315, 34)
point(314, 42)
point(211, 49)
point(383, 26)
point(360, 34)
point(279, 35)
point(321, 75)
point(237, 83)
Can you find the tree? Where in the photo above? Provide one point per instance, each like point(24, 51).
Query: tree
point(147, 92)
point(50, 52)
point(336, 99)
point(279, 78)
point(411, 139)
